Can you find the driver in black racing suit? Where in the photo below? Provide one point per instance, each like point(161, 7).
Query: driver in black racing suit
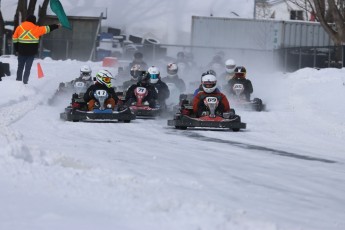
point(103, 82)
point(240, 78)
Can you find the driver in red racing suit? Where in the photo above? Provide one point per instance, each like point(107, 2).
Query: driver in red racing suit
point(209, 83)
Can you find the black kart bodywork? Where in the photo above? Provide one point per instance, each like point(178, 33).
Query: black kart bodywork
point(253, 105)
point(185, 118)
point(184, 121)
point(78, 111)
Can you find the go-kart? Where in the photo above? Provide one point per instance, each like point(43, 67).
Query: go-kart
point(142, 108)
point(239, 100)
point(78, 110)
point(210, 118)
point(68, 88)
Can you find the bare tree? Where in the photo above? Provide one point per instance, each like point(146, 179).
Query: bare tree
point(31, 7)
point(23, 9)
point(263, 9)
point(42, 12)
point(2, 31)
point(330, 14)
point(21, 12)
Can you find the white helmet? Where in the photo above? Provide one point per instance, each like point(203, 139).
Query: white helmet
point(230, 65)
point(172, 69)
point(154, 74)
point(104, 77)
point(209, 83)
point(85, 72)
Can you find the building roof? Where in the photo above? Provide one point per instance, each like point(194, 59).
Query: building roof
point(88, 12)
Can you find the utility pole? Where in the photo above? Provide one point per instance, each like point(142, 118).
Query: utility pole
point(254, 14)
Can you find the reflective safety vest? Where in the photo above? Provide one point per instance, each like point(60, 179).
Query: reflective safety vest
point(28, 32)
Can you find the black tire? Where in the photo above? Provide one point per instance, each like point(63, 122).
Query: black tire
point(181, 127)
point(126, 121)
point(257, 104)
point(236, 129)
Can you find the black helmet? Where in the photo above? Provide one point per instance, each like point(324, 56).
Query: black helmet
point(217, 58)
point(180, 55)
point(144, 77)
point(240, 71)
point(138, 55)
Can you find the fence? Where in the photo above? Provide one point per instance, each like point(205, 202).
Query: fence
point(287, 59)
point(154, 54)
point(292, 59)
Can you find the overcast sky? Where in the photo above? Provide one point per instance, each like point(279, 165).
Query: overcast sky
point(166, 19)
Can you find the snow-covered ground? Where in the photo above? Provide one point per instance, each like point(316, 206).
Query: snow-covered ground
point(284, 172)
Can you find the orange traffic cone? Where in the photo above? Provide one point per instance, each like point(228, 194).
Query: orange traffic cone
point(39, 70)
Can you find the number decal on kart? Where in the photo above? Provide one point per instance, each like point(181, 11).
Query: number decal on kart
point(141, 90)
point(211, 100)
point(238, 87)
point(79, 84)
point(101, 93)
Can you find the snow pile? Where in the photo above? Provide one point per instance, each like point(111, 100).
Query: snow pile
point(285, 172)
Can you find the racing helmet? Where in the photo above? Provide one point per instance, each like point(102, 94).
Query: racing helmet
point(209, 83)
point(135, 71)
point(138, 55)
point(240, 71)
point(210, 71)
point(180, 55)
point(104, 77)
point(172, 69)
point(85, 72)
point(143, 78)
point(154, 74)
point(230, 65)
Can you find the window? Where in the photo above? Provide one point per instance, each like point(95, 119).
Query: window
point(296, 15)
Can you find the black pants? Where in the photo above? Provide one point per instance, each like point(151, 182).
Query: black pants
point(24, 62)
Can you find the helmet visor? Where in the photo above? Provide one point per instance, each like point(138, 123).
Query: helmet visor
point(230, 66)
point(209, 84)
point(154, 76)
point(106, 79)
point(240, 74)
point(85, 74)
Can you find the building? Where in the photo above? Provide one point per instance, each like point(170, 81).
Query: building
point(78, 43)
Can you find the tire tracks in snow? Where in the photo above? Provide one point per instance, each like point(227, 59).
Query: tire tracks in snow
point(243, 145)
point(10, 113)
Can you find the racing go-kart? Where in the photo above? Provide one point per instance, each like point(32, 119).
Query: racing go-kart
point(140, 107)
point(239, 100)
point(186, 118)
point(78, 110)
point(66, 89)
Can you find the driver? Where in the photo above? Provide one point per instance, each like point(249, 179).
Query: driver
point(103, 82)
point(143, 81)
point(209, 86)
point(240, 78)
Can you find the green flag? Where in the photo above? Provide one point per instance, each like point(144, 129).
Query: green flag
point(57, 8)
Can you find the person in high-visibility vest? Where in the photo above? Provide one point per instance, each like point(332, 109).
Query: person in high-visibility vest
point(26, 40)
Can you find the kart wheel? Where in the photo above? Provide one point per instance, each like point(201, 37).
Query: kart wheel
point(124, 121)
point(181, 127)
point(258, 104)
point(236, 129)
